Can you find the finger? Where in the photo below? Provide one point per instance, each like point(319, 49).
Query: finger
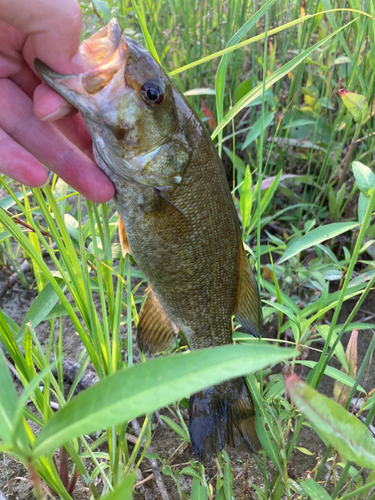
point(54, 27)
point(50, 146)
point(19, 164)
point(50, 106)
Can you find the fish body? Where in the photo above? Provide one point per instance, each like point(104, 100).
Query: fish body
point(178, 219)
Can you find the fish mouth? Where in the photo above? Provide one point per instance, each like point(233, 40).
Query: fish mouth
point(105, 52)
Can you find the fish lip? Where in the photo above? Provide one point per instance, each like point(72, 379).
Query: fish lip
point(73, 86)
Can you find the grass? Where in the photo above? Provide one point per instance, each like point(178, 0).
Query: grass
point(300, 154)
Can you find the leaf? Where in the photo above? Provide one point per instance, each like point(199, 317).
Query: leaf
point(72, 226)
point(314, 490)
point(4, 235)
point(102, 7)
point(189, 471)
point(345, 432)
point(364, 177)
point(39, 309)
point(145, 387)
point(256, 129)
point(200, 92)
point(246, 199)
point(341, 393)
point(123, 491)
point(198, 492)
point(176, 428)
point(266, 428)
point(299, 123)
point(356, 104)
point(8, 401)
point(8, 201)
point(334, 373)
point(317, 236)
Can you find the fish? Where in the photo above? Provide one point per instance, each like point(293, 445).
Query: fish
point(176, 218)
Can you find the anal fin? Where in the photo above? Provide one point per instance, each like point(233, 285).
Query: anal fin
point(155, 330)
point(221, 415)
point(248, 309)
point(123, 237)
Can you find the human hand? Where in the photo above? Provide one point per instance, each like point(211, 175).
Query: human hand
point(50, 31)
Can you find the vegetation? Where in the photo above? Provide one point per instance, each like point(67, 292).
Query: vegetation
point(295, 127)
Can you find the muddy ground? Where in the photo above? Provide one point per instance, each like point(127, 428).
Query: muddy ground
point(14, 479)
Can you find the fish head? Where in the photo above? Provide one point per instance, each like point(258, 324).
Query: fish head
point(129, 105)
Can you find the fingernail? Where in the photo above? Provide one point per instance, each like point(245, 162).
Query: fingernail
point(60, 112)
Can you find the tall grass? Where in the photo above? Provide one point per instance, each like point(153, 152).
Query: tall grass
point(300, 161)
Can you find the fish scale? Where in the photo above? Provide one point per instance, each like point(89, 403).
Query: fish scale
point(177, 220)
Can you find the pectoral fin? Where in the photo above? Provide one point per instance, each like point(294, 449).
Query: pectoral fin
point(248, 309)
point(155, 331)
point(123, 237)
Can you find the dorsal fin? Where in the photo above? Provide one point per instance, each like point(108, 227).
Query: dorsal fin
point(123, 237)
point(155, 331)
point(248, 309)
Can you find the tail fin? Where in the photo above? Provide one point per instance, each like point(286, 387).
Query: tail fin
point(221, 415)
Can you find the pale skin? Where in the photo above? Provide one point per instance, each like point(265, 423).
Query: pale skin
point(37, 126)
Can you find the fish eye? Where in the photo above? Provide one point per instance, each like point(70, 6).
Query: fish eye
point(152, 93)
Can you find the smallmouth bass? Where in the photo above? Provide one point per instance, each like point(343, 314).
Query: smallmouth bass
point(177, 219)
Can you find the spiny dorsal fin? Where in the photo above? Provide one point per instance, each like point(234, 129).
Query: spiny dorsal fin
point(155, 331)
point(123, 237)
point(248, 309)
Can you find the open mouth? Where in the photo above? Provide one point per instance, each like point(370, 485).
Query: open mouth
point(105, 52)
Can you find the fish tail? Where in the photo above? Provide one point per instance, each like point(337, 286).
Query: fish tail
point(221, 415)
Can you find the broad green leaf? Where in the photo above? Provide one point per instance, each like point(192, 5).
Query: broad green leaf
point(123, 491)
point(256, 129)
point(198, 492)
point(8, 401)
point(334, 373)
point(39, 309)
point(189, 471)
point(246, 199)
point(102, 7)
point(314, 490)
point(345, 432)
point(364, 177)
point(356, 104)
point(147, 386)
point(317, 236)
